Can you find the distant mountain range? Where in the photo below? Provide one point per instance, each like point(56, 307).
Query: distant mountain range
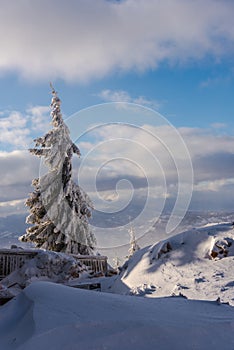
point(13, 226)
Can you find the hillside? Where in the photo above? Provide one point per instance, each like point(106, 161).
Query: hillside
point(185, 284)
point(197, 264)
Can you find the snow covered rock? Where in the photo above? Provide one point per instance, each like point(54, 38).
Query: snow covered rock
point(142, 290)
point(221, 248)
point(159, 249)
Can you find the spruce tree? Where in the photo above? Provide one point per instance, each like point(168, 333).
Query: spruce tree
point(59, 208)
point(134, 247)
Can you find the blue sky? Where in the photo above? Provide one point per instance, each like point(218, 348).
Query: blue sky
point(175, 57)
point(198, 95)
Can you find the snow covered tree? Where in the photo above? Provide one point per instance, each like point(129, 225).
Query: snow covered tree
point(59, 208)
point(116, 262)
point(134, 247)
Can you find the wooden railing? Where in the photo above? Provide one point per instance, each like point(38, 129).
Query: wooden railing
point(12, 259)
point(97, 263)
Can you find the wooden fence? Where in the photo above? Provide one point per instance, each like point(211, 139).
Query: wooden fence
point(11, 259)
point(97, 263)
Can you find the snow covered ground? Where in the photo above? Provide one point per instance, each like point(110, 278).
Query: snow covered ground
point(184, 264)
point(183, 283)
point(56, 317)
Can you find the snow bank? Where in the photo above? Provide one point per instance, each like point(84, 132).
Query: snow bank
point(56, 317)
point(197, 264)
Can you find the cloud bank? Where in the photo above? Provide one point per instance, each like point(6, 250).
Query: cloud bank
point(83, 39)
point(123, 160)
point(212, 157)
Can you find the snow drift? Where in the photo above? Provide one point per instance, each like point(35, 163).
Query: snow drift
point(57, 317)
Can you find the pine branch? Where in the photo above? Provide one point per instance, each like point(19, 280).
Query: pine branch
point(76, 150)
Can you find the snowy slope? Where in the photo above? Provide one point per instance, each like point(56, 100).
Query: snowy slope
point(186, 264)
point(56, 317)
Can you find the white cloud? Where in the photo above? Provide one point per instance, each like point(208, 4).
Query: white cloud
point(115, 96)
point(123, 96)
point(15, 119)
point(202, 142)
point(123, 152)
point(11, 203)
point(17, 130)
point(17, 168)
point(85, 145)
point(13, 130)
point(219, 125)
point(39, 116)
point(214, 186)
point(12, 207)
point(81, 39)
